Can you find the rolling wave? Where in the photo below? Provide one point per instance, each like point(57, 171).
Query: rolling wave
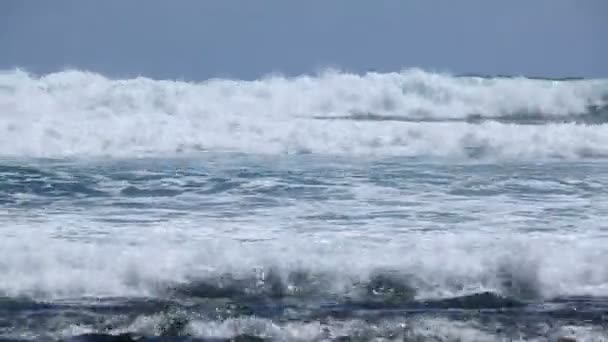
point(411, 113)
point(383, 274)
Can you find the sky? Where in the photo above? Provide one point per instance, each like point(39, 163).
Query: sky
point(246, 39)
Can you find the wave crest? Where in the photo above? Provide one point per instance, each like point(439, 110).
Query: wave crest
point(411, 113)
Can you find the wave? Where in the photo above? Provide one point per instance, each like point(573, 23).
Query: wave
point(411, 113)
point(45, 268)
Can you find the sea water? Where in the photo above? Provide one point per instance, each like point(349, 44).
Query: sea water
point(402, 206)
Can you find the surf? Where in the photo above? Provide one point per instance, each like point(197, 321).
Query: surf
point(411, 113)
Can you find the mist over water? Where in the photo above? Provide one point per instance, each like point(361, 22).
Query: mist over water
point(402, 206)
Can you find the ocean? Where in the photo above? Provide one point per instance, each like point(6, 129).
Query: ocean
point(406, 206)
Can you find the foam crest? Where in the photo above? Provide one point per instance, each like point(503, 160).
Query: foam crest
point(430, 268)
point(85, 114)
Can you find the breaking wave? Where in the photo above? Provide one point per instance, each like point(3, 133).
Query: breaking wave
point(411, 113)
point(384, 275)
point(69, 292)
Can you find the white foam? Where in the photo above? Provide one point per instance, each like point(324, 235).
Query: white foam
point(79, 113)
point(406, 328)
point(438, 264)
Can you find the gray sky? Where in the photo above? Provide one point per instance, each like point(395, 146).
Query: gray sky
point(195, 40)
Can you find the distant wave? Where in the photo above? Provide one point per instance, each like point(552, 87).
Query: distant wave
point(411, 113)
